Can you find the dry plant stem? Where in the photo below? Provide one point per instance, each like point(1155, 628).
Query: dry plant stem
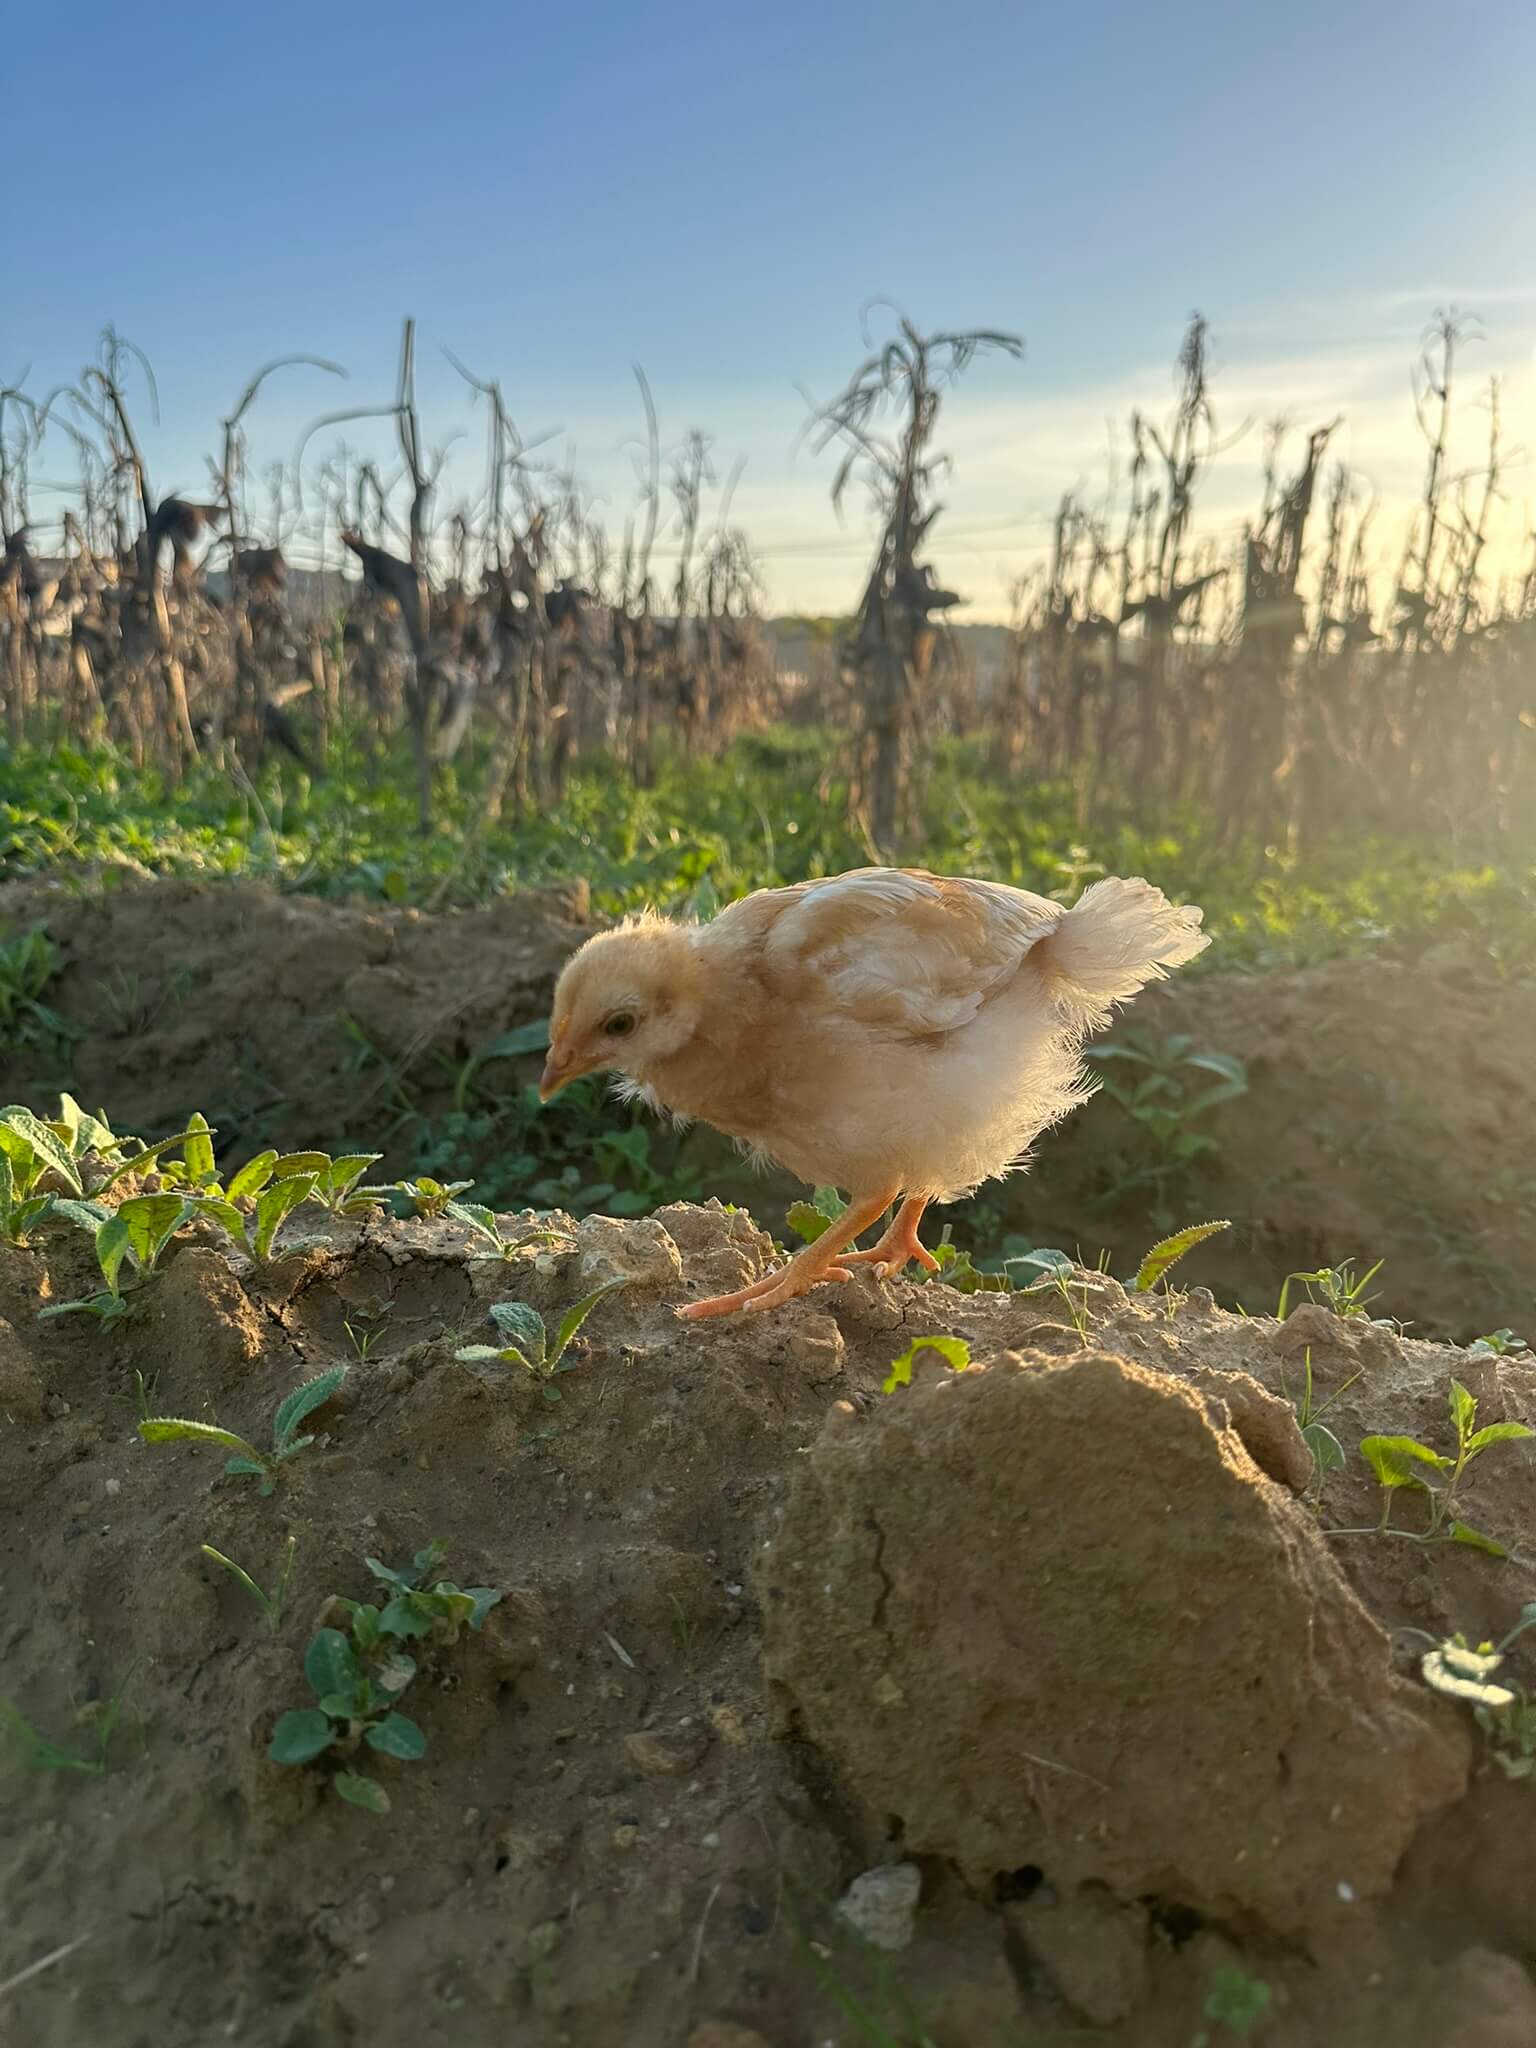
point(819, 1261)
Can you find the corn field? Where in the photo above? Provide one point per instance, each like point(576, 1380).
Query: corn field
point(1276, 686)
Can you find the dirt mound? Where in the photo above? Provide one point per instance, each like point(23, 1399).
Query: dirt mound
point(1387, 1114)
point(620, 1831)
point(258, 1008)
point(1152, 1651)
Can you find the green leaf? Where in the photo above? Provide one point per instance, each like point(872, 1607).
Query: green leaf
point(1049, 1264)
point(243, 1466)
point(252, 1177)
point(1460, 1533)
point(1170, 1250)
point(341, 1706)
point(240, 1574)
point(329, 1664)
point(291, 1165)
point(145, 1158)
point(578, 1312)
point(475, 1216)
point(346, 1171)
point(225, 1214)
point(485, 1354)
point(404, 1581)
point(954, 1350)
point(47, 1147)
point(361, 1791)
point(88, 1215)
point(1497, 1433)
point(276, 1206)
point(396, 1735)
point(1463, 1408)
point(303, 1402)
point(522, 1326)
point(805, 1221)
point(1327, 1451)
point(483, 1599)
point(400, 1618)
point(112, 1245)
point(300, 1736)
point(198, 1151)
point(829, 1203)
point(1392, 1459)
point(108, 1306)
point(152, 1222)
point(168, 1429)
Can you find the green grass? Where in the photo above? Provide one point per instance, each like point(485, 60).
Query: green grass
point(711, 830)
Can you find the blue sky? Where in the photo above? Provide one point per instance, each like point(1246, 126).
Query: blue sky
point(557, 193)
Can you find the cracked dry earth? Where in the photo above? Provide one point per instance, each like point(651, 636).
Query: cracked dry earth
point(1049, 1662)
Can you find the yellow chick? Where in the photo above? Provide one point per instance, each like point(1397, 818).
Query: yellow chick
point(902, 1035)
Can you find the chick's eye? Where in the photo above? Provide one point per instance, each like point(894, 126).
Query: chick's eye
point(621, 1025)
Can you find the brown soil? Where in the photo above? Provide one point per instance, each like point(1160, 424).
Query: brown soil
point(1388, 1116)
point(1059, 1632)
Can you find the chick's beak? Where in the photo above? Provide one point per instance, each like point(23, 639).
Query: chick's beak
point(560, 1067)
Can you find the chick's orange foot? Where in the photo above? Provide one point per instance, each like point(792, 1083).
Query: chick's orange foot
point(899, 1245)
point(826, 1259)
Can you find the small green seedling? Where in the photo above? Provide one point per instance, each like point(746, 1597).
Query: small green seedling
point(1166, 1254)
point(253, 1219)
point(1338, 1287)
point(1401, 1462)
point(286, 1443)
point(30, 1150)
point(1327, 1452)
point(1236, 2001)
point(1498, 1344)
point(482, 1221)
point(527, 1338)
point(271, 1604)
point(430, 1197)
point(1053, 1274)
point(98, 1718)
point(415, 1609)
point(955, 1352)
point(359, 1677)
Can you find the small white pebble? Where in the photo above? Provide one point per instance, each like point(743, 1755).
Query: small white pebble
point(114, 1486)
point(1346, 1892)
point(711, 1840)
point(664, 1823)
point(735, 1590)
point(570, 1689)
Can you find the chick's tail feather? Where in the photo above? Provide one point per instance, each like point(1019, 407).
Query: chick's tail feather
point(1118, 936)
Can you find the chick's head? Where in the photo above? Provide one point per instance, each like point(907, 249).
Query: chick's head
point(626, 1000)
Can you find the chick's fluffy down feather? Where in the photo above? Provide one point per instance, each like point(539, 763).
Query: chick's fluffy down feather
point(885, 1028)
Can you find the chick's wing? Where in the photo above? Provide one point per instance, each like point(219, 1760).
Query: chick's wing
point(899, 951)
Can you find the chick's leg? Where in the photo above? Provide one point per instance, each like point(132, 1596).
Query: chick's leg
point(820, 1261)
point(899, 1243)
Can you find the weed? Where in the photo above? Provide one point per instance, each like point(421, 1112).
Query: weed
point(98, 1717)
point(271, 1604)
point(1402, 1462)
point(1055, 1273)
point(1163, 1098)
point(28, 963)
point(1236, 2001)
point(1338, 1287)
point(286, 1442)
point(359, 1676)
point(1166, 1254)
point(1327, 1452)
point(528, 1343)
point(1497, 1344)
point(362, 1339)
